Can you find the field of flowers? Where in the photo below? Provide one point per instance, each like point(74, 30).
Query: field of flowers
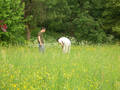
point(84, 68)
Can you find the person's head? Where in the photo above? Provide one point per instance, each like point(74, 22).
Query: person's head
point(58, 40)
point(43, 29)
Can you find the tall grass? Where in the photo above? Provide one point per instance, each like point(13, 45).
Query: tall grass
point(84, 68)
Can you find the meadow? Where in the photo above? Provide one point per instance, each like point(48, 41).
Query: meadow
point(84, 68)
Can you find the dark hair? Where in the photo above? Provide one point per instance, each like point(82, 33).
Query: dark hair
point(57, 39)
point(43, 28)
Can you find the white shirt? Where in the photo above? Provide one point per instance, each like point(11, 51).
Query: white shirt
point(64, 40)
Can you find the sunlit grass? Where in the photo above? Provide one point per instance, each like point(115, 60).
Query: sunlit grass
point(84, 68)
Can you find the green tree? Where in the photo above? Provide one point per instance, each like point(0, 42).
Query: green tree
point(84, 25)
point(111, 16)
point(12, 13)
point(80, 19)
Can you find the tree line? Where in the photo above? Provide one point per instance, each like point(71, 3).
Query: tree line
point(95, 21)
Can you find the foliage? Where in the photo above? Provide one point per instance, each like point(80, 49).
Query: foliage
point(85, 20)
point(12, 13)
point(111, 17)
point(80, 19)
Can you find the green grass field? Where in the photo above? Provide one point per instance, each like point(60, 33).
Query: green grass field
point(84, 68)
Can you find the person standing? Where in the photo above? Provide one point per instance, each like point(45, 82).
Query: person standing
point(65, 43)
point(40, 40)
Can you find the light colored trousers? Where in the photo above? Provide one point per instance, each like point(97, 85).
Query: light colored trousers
point(41, 48)
point(66, 48)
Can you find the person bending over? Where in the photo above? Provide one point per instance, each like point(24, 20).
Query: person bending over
point(65, 43)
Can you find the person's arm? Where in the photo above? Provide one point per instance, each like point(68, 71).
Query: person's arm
point(39, 40)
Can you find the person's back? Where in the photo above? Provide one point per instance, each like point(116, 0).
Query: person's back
point(66, 40)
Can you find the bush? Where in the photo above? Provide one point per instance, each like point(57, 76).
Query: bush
point(12, 13)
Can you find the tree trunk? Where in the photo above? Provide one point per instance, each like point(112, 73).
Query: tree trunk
point(28, 32)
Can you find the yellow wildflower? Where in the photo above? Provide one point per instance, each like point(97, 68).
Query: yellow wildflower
point(14, 85)
point(24, 86)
